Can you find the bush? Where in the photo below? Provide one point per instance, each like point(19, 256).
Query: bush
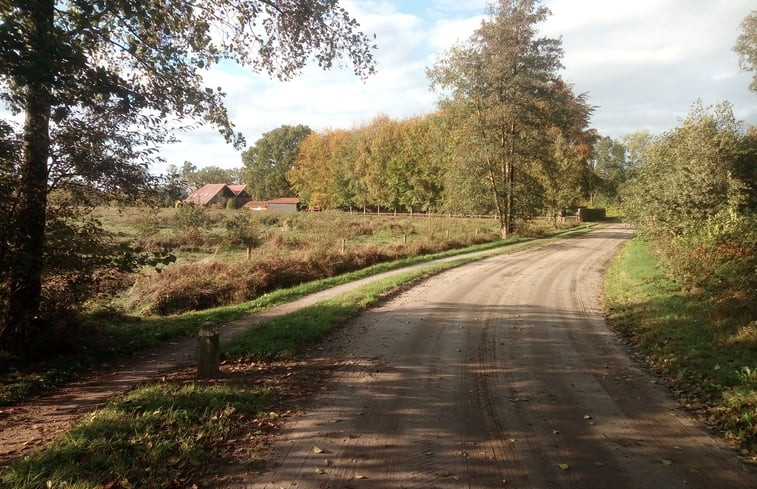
point(192, 216)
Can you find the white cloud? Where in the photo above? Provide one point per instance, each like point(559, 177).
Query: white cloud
point(643, 63)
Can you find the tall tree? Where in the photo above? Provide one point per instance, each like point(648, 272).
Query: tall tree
point(746, 47)
point(611, 167)
point(565, 173)
point(98, 81)
point(267, 163)
point(691, 175)
point(424, 173)
point(499, 83)
point(210, 174)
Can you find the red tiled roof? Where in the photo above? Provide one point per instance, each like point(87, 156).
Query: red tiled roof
point(204, 194)
point(257, 204)
point(237, 188)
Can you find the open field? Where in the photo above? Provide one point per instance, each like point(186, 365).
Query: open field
point(230, 256)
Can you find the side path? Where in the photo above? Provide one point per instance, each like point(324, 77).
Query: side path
point(33, 425)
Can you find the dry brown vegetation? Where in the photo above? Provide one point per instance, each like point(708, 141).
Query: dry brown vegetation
point(213, 266)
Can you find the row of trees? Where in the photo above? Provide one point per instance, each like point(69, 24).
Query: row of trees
point(510, 137)
point(385, 164)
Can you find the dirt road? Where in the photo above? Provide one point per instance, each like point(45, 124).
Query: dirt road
point(501, 373)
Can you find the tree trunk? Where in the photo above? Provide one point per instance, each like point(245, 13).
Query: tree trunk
point(23, 328)
point(510, 207)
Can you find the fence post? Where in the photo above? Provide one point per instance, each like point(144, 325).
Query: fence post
point(208, 351)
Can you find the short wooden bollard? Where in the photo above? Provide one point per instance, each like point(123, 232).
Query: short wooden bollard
point(208, 351)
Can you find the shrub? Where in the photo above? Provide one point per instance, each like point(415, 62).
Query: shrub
point(192, 216)
point(242, 229)
point(147, 222)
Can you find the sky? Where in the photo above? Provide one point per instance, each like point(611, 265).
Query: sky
point(643, 64)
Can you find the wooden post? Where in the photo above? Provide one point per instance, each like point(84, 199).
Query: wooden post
point(208, 351)
point(404, 238)
point(343, 243)
point(250, 246)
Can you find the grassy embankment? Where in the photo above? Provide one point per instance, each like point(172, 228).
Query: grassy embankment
point(708, 355)
point(174, 436)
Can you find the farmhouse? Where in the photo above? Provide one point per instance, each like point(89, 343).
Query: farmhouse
point(218, 195)
point(241, 192)
point(211, 195)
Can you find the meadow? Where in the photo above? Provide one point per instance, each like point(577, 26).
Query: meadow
point(225, 256)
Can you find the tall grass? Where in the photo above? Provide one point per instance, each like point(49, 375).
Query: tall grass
point(290, 248)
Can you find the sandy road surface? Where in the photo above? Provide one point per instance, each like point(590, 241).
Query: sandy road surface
point(501, 373)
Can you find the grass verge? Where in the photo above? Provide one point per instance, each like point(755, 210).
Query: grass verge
point(159, 436)
point(709, 360)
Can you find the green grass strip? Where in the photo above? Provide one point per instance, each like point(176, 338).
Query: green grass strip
point(156, 437)
point(710, 365)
